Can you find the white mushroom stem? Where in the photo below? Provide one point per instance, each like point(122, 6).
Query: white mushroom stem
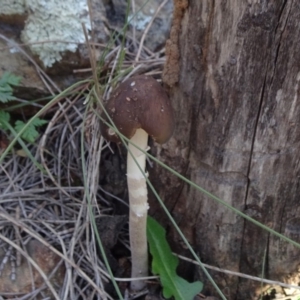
point(138, 206)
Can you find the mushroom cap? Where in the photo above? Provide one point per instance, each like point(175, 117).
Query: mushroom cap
point(139, 102)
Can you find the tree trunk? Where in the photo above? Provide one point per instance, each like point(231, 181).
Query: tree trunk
point(233, 69)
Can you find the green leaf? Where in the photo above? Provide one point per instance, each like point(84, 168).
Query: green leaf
point(164, 264)
point(37, 122)
point(30, 134)
point(9, 78)
point(4, 119)
point(6, 94)
point(6, 81)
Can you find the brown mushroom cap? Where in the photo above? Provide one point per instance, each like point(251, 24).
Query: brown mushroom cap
point(139, 102)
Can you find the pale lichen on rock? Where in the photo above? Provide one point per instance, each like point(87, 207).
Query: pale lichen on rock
point(139, 20)
point(52, 26)
point(55, 20)
point(9, 7)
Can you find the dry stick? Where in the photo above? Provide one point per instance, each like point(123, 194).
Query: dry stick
point(44, 286)
point(94, 258)
point(107, 86)
point(18, 237)
point(92, 55)
point(240, 274)
point(9, 177)
point(43, 160)
point(90, 11)
point(93, 174)
point(92, 184)
point(59, 156)
point(113, 196)
point(34, 211)
point(38, 191)
point(5, 259)
point(93, 165)
point(43, 146)
point(108, 59)
point(36, 266)
point(133, 27)
point(64, 253)
point(147, 50)
point(151, 62)
point(37, 237)
point(53, 41)
point(147, 29)
point(71, 253)
point(134, 71)
point(42, 74)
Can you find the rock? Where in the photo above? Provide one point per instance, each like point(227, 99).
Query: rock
point(140, 18)
point(61, 22)
point(12, 60)
point(17, 26)
point(57, 21)
point(53, 29)
point(35, 23)
point(159, 30)
point(26, 276)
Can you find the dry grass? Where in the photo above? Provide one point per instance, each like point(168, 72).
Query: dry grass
point(57, 205)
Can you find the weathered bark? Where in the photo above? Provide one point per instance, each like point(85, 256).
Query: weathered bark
point(233, 69)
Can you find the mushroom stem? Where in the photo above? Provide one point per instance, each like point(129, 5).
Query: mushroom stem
point(137, 189)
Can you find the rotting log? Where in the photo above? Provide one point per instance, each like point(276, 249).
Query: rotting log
point(233, 72)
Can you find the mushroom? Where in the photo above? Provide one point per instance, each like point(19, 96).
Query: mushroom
point(139, 107)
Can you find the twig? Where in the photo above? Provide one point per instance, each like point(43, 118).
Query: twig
point(147, 29)
point(272, 282)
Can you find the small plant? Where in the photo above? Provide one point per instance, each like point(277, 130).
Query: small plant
point(7, 82)
point(164, 264)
